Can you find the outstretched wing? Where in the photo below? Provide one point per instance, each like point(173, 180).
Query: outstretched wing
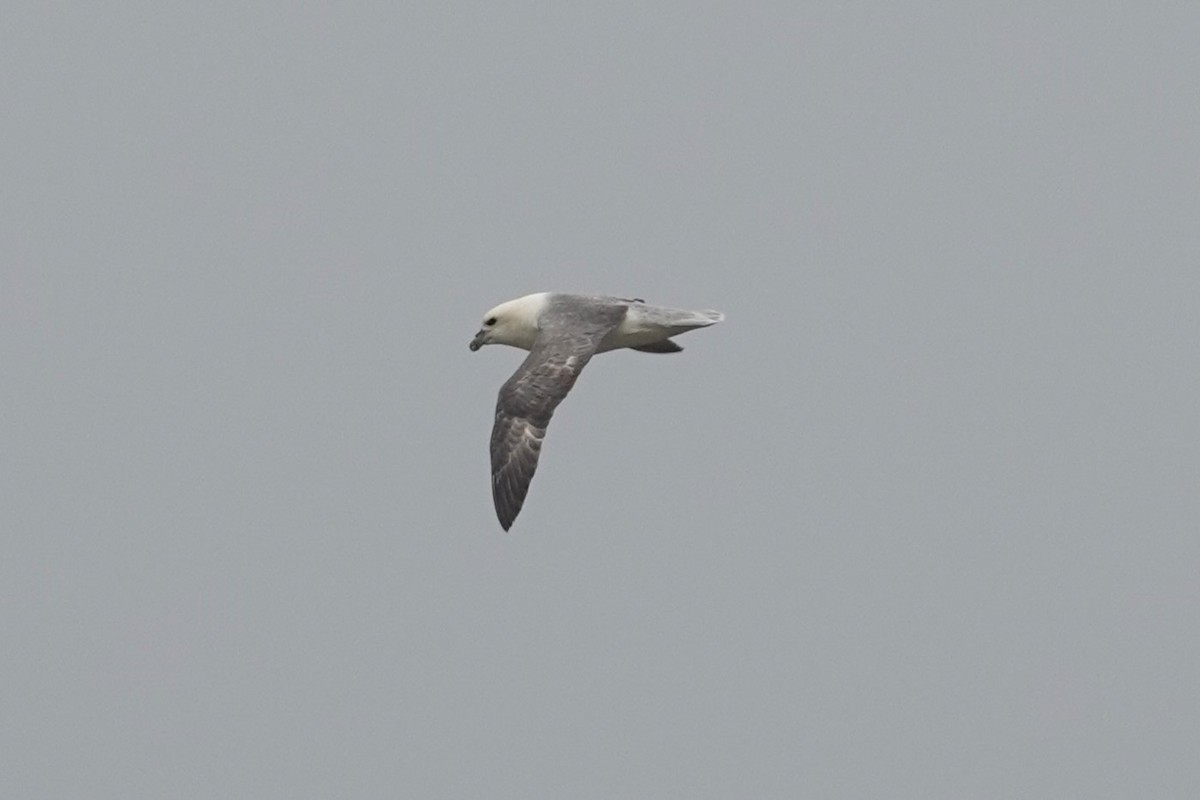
point(566, 341)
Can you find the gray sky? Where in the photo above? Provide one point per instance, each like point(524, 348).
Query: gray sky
point(920, 519)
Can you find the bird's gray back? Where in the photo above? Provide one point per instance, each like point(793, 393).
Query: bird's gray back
point(580, 315)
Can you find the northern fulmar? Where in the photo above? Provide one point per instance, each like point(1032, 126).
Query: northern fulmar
point(561, 332)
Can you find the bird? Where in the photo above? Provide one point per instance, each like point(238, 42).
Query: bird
point(561, 332)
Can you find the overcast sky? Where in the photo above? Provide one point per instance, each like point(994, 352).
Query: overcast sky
point(920, 519)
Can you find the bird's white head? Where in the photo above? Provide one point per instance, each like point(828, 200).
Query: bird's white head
point(514, 323)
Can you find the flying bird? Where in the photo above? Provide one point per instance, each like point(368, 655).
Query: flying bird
point(561, 332)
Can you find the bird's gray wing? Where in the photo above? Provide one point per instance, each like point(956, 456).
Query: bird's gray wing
point(566, 341)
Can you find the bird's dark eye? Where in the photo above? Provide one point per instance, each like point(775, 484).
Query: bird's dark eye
point(490, 321)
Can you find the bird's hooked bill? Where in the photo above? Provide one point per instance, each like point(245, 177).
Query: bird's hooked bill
point(476, 343)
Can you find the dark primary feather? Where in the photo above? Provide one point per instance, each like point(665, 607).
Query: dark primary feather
point(566, 341)
point(665, 346)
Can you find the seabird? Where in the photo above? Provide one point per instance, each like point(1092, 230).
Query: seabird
point(561, 332)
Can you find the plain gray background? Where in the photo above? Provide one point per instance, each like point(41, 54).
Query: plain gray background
point(918, 520)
